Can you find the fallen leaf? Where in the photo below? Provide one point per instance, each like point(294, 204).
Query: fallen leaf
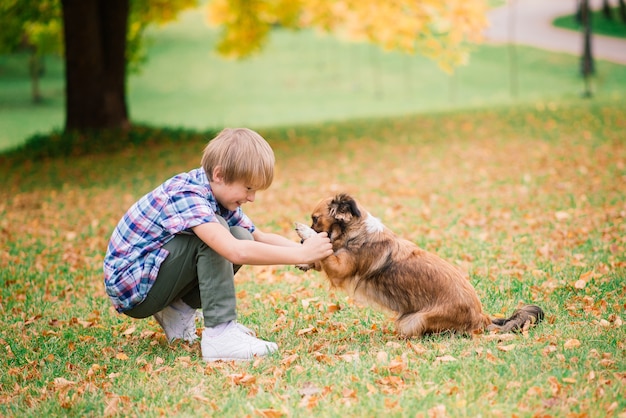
point(287, 361)
point(382, 357)
point(62, 383)
point(270, 413)
point(506, 347)
point(445, 359)
point(305, 331)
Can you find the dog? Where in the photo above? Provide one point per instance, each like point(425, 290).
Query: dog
point(427, 294)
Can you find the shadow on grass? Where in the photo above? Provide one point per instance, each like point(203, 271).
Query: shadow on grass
point(73, 144)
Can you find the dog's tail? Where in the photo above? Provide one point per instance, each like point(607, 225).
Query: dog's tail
point(523, 318)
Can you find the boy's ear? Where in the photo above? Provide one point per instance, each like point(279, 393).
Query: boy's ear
point(217, 175)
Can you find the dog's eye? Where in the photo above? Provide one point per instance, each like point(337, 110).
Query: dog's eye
point(314, 219)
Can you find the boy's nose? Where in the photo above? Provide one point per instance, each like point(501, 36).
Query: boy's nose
point(251, 196)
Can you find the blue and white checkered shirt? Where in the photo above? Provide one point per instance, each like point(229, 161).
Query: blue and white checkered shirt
point(135, 252)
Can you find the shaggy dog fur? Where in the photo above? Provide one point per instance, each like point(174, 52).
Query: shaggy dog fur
point(376, 267)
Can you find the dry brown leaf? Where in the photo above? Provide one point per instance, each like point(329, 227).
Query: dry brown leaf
point(418, 348)
point(445, 359)
point(242, 379)
point(350, 357)
point(334, 307)
point(309, 389)
point(571, 343)
point(62, 383)
point(349, 393)
point(270, 413)
point(506, 348)
point(305, 331)
point(396, 366)
point(382, 357)
point(288, 361)
point(499, 337)
point(438, 411)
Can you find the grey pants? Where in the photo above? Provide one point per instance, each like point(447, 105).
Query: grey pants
point(199, 276)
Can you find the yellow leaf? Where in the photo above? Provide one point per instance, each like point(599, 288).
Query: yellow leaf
point(121, 356)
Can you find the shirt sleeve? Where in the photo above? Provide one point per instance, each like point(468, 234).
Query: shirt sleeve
point(186, 209)
point(239, 218)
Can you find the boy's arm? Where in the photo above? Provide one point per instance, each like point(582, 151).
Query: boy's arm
point(263, 253)
point(273, 239)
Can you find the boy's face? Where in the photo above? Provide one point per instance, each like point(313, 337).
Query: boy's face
point(231, 195)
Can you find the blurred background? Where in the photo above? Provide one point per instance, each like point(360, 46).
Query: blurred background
point(532, 51)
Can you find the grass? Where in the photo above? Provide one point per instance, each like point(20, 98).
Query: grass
point(300, 78)
point(600, 24)
point(529, 200)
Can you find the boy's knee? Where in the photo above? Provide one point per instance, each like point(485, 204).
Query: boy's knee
point(236, 231)
point(241, 233)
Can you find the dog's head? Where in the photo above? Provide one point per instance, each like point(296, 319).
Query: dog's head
point(334, 215)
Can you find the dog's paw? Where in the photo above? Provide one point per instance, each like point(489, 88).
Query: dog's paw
point(304, 267)
point(304, 231)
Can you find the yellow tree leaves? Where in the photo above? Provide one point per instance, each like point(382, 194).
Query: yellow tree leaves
point(439, 30)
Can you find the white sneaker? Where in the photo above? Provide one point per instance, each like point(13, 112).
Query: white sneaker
point(178, 321)
point(235, 343)
point(245, 329)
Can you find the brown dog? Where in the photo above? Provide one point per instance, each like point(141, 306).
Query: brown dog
point(374, 266)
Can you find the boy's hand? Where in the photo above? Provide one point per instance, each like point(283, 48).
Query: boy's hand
point(317, 247)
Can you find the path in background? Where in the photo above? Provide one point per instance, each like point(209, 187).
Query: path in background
point(529, 22)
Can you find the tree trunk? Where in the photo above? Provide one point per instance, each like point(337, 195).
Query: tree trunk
point(606, 10)
point(622, 10)
point(95, 64)
point(587, 64)
point(35, 69)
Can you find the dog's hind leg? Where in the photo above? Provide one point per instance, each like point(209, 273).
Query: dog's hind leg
point(411, 325)
point(440, 319)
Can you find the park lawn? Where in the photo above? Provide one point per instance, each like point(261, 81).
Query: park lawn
point(529, 200)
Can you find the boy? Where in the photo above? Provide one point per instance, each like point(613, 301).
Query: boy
point(177, 248)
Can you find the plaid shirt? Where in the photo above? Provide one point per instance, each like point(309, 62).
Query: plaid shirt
point(135, 252)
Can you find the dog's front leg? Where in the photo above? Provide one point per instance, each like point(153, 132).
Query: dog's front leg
point(339, 267)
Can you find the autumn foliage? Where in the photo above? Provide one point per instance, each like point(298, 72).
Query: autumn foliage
point(440, 30)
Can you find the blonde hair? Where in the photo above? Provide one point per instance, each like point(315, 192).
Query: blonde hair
point(242, 155)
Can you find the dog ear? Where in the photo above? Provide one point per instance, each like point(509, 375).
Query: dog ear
point(343, 207)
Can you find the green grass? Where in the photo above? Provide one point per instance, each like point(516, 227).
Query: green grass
point(529, 200)
point(299, 78)
point(600, 24)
